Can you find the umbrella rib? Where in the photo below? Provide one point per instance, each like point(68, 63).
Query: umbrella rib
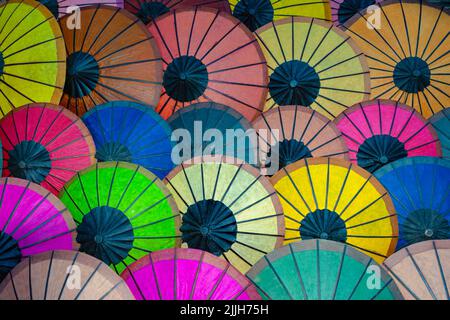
point(10, 15)
point(395, 34)
point(123, 49)
point(206, 33)
point(220, 40)
point(101, 31)
point(16, 205)
point(267, 48)
point(191, 32)
point(47, 279)
point(59, 134)
point(366, 250)
point(364, 272)
point(88, 280)
point(422, 276)
point(296, 189)
point(371, 221)
point(150, 207)
point(319, 44)
point(231, 52)
point(18, 23)
point(66, 191)
point(441, 270)
point(14, 89)
point(141, 193)
point(216, 285)
point(338, 277)
point(365, 208)
point(311, 184)
point(278, 277)
point(47, 129)
point(431, 34)
point(130, 80)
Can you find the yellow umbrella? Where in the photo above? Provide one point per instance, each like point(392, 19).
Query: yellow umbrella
point(407, 51)
point(229, 209)
point(256, 13)
point(32, 55)
point(333, 199)
point(314, 64)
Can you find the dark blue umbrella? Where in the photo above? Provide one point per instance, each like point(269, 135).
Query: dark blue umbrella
point(419, 188)
point(441, 123)
point(131, 132)
point(210, 115)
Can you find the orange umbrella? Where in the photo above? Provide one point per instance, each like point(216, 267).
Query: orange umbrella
point(112, 57)
point(209, 55)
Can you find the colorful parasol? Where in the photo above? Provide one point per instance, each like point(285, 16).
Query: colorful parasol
point(60, 8)
point(407, 53)
point(45, 144)
point(343, 10)
point(314, 64)
point(147, 10)
point(321, 270)
point(228, 209)
point(212, 124)
point(378, 132)
point(63, 275)
point(209, 56)
point(32, 57)
point(333, 199)
point(187, 274)
point(257, 13)
point(112, 57)
point(32, 220)
point(122, 212)
point(420, 190)
point(131, 132)
point(422, 270)
point(303, 133)
point(441, 123)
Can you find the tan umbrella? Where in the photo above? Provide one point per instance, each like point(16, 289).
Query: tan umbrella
point(422, 270)
point(63, 275)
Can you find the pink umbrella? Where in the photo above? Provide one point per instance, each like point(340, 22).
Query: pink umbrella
point(32, 220)
point(187, 274)
point(45, 144)
point(343, 10)
point(60, 8)
point(378, 132)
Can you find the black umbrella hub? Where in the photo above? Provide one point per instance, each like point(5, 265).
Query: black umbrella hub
point(113, 151)
point(254, 13)
point(151, 10)
point(348, 8)
point(10, 254)
point(185, 78)
point(412, 75)
point(82, 74)
point(424, 224)
point(323, 224)
point(380, 150)
point(29, 160)
point(294, 83)
point(106, 233)
point(209, 225)
point(51, 5)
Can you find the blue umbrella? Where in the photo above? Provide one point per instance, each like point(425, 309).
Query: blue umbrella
point(419, 188)
point(210, 115)
point(131, 132)
point(441, 123)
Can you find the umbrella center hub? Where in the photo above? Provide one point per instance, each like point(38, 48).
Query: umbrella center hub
point(348, 8)
point(209, 225)
point(323, 224)
point(412, 75)
point(106, 233)
point(424, 224)
point(294, 83)
point(29, 160)
point(379, 150)
point(82, 74)
point(290, 151)
point(185, 79)
point(254, 13)
point(151, 10)
point(10, 254)
point(113, 151)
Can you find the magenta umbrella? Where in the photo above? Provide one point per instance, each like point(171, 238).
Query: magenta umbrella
point(32, 220)
point(187, 274)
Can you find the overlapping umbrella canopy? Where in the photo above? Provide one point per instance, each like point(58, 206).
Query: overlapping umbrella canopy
point(314, 64)
point(209, 56)
point(122, 212)
point(45, 144)
point(421, 270)
point(228, 209)
point(257, 13)
point(420, 190)
point(147, 10)
point(441, 123)
point(335, 200)
point(187, 274)
point(321, 270)
point(131, 132)
point(32, 220)
point(301, 133)
point(111, 57)
point(63, 275)
point(343, 10)
point(60, 8)
point(205, 122)
point(378, 132)
point(407, 54)
point(32, 57)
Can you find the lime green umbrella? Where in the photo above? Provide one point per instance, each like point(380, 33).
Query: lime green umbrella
point(321, 270)
point(122, 211)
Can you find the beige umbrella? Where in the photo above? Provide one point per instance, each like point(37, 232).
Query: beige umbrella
point(63, 275)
